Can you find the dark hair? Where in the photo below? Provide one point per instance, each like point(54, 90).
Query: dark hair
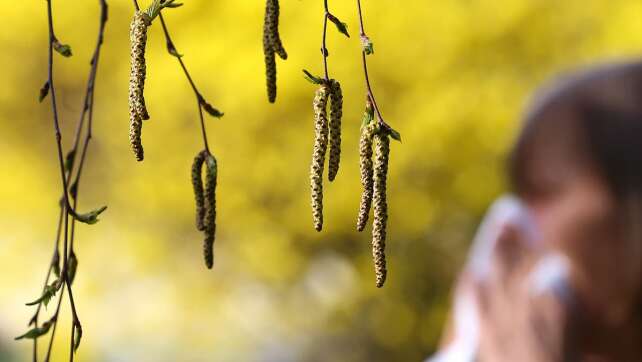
point(592, 118)
point(598, 113)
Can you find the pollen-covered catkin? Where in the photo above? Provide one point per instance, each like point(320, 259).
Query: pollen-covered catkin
point(138, 42)
point(336, 112)
point(137, 109)
point(197, 183)
point(273, 34)
point(135, 127)
point(210, 210)
point(382, 152)
point(318, 154)
point(366, 169)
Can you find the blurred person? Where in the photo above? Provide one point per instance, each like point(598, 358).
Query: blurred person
point(555, 270)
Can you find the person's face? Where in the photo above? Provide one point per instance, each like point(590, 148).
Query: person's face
point(577, 215)
point(570, 201)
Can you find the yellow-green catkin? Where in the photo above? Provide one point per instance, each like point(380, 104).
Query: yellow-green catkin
point(381, 157)
point(336, 113)
point(137, 108)
point(210, 210)
point(318, 154)
point(366, 169)
point(197, 183)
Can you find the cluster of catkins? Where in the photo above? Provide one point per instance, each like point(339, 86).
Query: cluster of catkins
point(205, 201)
point(272, 45)
point(325, 132)
point(373, 179)
point(137, 108)
point(205, 195)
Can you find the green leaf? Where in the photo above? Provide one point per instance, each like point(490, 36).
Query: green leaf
point(63, 49)
point(43, 92)
point(368, 115)
point(341, 26)
point(367, 45)
point(311, 78)
point(172, 4)
point(90, 217)
point(154, 9)
point(37, 331)
point(48, 293)
point(77, 336)
point(72, 266)
point(394, 134)
point(209, 109)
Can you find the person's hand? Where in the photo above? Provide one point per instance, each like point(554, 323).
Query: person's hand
point(518, 320)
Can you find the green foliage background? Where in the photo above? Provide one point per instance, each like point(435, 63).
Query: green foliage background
point(451, 76)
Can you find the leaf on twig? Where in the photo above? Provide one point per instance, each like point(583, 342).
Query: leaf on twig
point(341, 26)
point(38, 331)
point(154, 9)
point(209, 109)
point(48, 293)
point(311, 78)
point(90, 217)
point(63, 49)
point(394, 134)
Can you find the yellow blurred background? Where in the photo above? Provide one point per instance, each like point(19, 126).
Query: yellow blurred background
point(451, 76)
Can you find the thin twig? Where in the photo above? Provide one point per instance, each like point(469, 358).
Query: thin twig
point(52, 39)
point(34, 319)
point(362, 34)
point(324, 50)
point(66, 176)
point(197, 93)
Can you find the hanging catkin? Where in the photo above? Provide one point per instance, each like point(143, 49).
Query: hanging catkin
point(382, 152)
point(137, 109)
point(271, 45)
point(318, 154)
point(210, 210)
point(270, 67)
point(197, 183)
point(275, 38)
point(365, 166)
point(336, 112)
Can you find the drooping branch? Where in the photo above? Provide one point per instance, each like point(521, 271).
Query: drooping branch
point(67, 168)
